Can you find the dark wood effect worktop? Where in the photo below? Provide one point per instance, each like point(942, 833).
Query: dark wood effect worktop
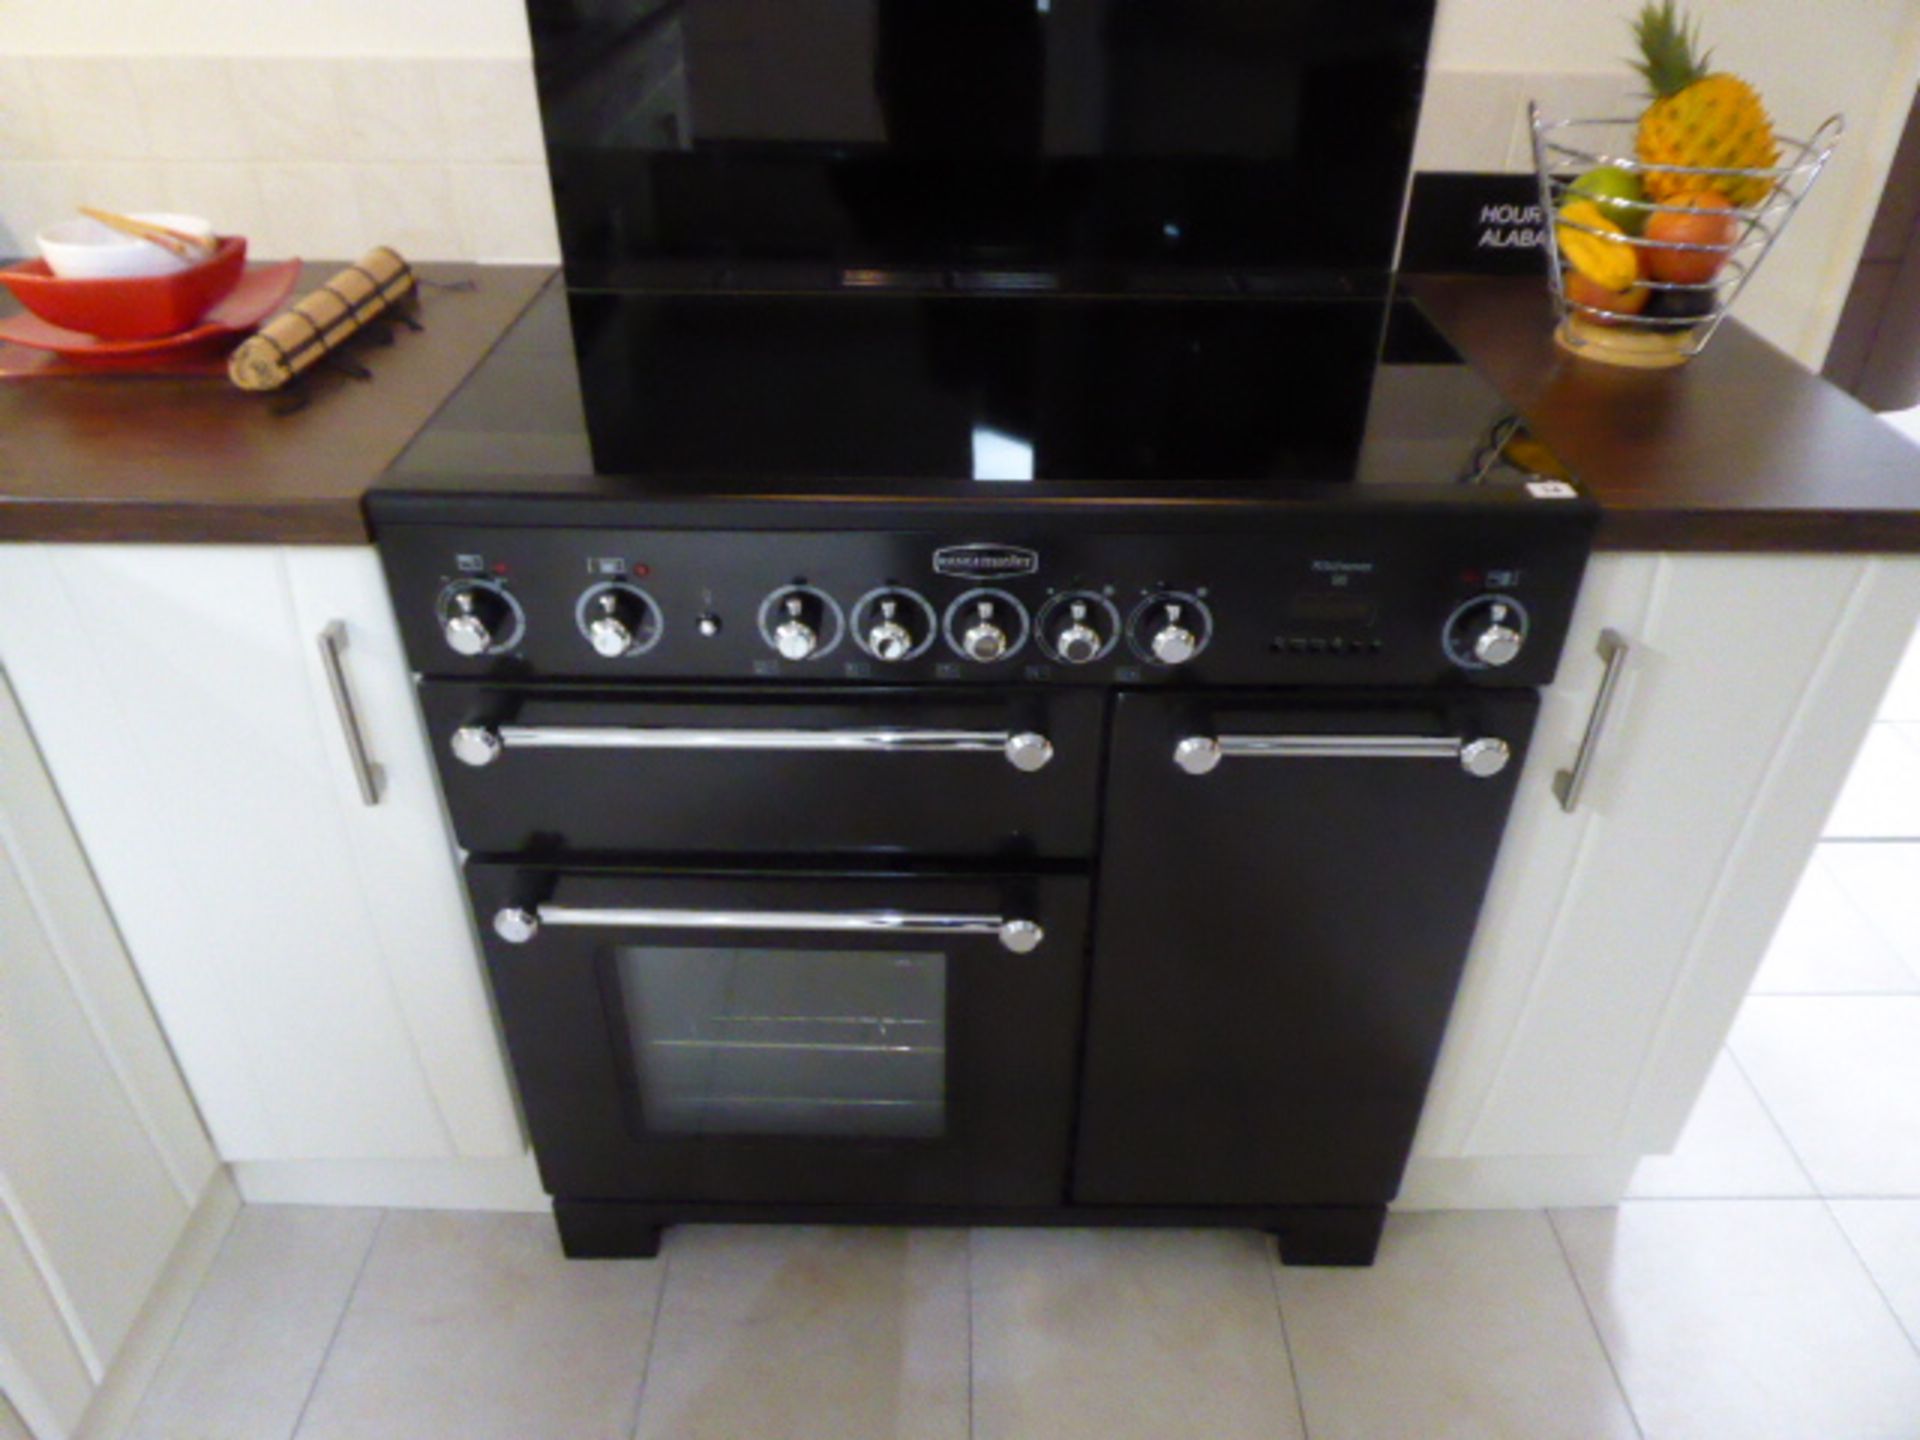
point(179, 459)
point(1741, 449)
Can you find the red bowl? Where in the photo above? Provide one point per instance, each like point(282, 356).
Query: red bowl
point(143, 307)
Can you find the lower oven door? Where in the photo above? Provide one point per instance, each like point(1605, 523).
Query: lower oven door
point(709, 1037)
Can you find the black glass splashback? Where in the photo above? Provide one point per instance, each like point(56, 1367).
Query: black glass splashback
point(1074, 136)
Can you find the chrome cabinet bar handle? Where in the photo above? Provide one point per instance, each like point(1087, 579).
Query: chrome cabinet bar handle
point(1569, 785)
point(1482, 758)
point(370, 777)
point(481, 745)
point(519, 924)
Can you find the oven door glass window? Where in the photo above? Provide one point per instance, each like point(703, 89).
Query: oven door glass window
point(758, 1041)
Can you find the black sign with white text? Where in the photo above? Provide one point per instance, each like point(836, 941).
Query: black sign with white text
point(1476, 224)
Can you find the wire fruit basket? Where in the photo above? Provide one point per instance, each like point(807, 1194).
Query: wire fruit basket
point(1655, 322)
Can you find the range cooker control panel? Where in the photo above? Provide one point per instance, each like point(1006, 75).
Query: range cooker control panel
point(1372, 605)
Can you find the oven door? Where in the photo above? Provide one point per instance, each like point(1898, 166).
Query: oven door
point(754, 1037)
point(741, 773)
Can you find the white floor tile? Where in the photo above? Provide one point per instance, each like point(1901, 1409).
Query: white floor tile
point(1469, 1327)
point(1886, 1234)
point(1826, 945)
point(245, 1358)
point(1902, 700)
point(1882, 879)
point(475, 1326)
point(1881, 799)
point(1743, 1320)
point(1840, 1075)
point(810, 1334)
point(1730, 1148)
point(1128, 1335)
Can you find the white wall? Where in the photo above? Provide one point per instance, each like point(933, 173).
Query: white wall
point(394, 28)
point(1809, 58)
point(113, 101)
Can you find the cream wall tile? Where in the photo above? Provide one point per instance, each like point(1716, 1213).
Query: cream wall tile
point(290, 109)
point(22, 131)
point(506, 213)
point(1881, 799)
point(246, 1356)
point(490, 109)
point(190, 109)
point(810, 1334)
point(1467, 121)
point(1747, 1318)
point(475, 1327)
point(124, 185)
point(228, 194)
point(1124, 1335)
point(313, 211)
point(1468, 1327)
point(1883, 879)
point(392, 110)
point(32, 195)
point(91, 108)
point(410, 207)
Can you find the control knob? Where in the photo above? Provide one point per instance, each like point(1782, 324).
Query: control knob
point(796, 635)
point(984, 638)
point(619, 620)
point(1172, 628)
point(474, 618)
point(894, 625)
point(1079, 628)
point(1487, 632)
point(987, 625)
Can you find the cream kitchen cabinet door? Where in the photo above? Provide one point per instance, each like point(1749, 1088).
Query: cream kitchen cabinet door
point(1618, 939)
point(308, 954)
point(104, 1168)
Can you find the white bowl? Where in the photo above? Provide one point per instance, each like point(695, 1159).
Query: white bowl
point(86, 249)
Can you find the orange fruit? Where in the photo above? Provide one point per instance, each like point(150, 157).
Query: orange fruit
point(1614, 305)
point(1674, 227)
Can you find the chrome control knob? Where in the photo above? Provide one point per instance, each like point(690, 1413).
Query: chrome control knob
point(1174, 644)
point(1487, 632)
point(1171, 629)
point(1497, 645)
point(793, 637)
point(618, 620)
point(800, 622)
point(475, 618)
point(983, 640)
point(1077, 642)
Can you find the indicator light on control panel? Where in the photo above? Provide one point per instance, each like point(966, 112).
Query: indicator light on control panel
point(500, 567)
point(641, 572)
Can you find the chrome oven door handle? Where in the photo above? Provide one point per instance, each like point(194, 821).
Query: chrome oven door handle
point(1482, 757)
point(366, 773)
point(481, 745)
point(519, 924)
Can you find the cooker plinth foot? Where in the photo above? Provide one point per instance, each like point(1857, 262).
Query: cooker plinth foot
point(1342, 1235)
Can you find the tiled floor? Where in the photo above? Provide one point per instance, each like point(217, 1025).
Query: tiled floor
point(1763, 1283)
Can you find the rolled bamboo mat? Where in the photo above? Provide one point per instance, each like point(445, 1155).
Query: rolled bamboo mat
point(322, 322)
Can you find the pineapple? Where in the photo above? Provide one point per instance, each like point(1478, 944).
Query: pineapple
point(1697, 118)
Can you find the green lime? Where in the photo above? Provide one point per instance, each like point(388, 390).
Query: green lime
point(1617, 192)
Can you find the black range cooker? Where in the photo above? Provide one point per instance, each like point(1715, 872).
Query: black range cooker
point(1063, 792)
point(978, 651)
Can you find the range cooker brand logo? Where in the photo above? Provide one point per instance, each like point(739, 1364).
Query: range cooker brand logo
point(971, 560)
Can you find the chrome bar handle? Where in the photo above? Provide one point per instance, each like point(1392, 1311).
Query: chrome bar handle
point(370, 777)
point(1482, 758)
point(1569, 785)
point(519, 924)
point(481, 745)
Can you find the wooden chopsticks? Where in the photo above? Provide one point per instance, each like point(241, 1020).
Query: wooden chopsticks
point(176, 242)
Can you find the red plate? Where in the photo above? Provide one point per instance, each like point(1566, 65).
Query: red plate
point(260, 292)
